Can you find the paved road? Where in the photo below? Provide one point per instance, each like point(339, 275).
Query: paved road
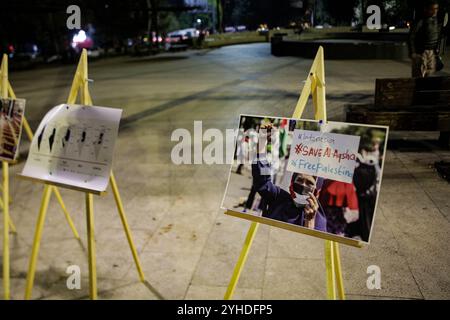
point(187, 245)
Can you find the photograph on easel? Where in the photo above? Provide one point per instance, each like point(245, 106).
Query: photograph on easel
point(307, 174)
point(11, 118)
point(74, 146)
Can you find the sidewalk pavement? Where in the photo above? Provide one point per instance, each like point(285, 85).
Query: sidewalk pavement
point(188, 247)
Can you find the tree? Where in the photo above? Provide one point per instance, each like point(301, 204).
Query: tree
point(219, 8)
point(341, 12)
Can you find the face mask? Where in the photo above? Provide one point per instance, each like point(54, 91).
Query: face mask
point(300, 200)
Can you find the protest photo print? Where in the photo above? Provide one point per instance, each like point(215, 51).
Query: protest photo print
point(321, 176)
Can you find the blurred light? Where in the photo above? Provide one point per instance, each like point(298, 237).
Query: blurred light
point(79, 37)
point(81, 40)
point(199, 21)
point(391, 28)
point(157, 39)
point(35, 48)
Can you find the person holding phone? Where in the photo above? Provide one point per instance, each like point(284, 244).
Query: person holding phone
point(299, 206)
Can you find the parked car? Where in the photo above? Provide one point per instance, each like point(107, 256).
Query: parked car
point(230, 29)
point(181, 39)
point(21, 56)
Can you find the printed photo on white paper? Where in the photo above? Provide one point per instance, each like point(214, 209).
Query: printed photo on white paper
point(74, 145)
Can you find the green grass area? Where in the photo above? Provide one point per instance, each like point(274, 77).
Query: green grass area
point(226, 39)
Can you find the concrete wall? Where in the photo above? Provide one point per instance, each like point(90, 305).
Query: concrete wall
point(345, 46)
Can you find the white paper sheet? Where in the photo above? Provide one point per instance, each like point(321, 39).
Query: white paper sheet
point(324, 154)
point(74, 145)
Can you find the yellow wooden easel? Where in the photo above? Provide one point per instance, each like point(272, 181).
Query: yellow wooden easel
point(80, 86)
point(6, 91)
point(314, 85)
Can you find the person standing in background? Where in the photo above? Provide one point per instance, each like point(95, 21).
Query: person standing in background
point(423, 41)
point(340, 205)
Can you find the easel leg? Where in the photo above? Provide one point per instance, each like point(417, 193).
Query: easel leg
point(91, 246)
point(6, 220)
point(66, 213)
point(329, 264)
point(29, 133)
point(37, 240)
point(126, 226)
point(12, 227)
point(338, 271)
point(10, 198)
point(241, 261)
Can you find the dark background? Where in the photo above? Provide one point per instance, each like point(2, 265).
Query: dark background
point(112, 23)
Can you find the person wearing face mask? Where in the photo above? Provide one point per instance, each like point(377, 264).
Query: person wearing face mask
point(299, 206)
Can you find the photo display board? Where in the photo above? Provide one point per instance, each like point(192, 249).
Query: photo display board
point(307, 174)
point(11, 119)
point(74, 146)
